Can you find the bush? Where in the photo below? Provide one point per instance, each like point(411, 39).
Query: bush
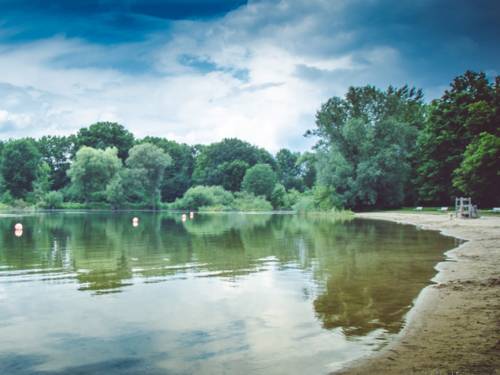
point(279, 197)
point(203, 196)
point(248, 202)
point(53, 199)
point(7, 198)
point(305, 204)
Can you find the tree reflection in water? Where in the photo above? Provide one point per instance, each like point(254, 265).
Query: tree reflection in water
point(366, 273)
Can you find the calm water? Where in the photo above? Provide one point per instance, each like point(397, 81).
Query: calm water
point(88, 293)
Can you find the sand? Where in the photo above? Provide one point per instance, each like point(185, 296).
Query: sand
point(454, 326)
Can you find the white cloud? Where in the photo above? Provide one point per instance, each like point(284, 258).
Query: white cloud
point(272, 108)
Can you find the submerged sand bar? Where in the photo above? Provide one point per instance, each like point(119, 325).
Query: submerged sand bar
point(454, 326)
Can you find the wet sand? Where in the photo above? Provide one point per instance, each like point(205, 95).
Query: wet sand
point(454, 327)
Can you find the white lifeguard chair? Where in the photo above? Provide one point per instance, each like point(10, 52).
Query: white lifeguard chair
point(465, 209)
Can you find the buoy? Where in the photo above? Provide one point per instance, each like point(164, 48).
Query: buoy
point(18, 226)
point(18, 232)
point(135, 222)
point(191, 215)
point(183, 217)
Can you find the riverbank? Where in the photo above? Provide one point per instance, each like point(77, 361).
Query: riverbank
point(454, 327)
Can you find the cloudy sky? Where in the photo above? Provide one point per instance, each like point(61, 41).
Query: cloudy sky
point(197, 71)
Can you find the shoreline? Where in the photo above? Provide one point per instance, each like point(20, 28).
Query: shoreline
point(454, 325)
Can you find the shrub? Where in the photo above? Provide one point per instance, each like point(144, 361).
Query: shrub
point(279, 198)
point(305, 204)
point(248, 202)
point(203, 196)
point(53, 199)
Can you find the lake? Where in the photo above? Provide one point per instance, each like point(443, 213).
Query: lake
point(90, 293)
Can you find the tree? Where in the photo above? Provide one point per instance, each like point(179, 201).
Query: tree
point(115, 192)
point(307, 165)
point(57, 152)
point(479, 173)
point(259, 180)
point(102, 135)
point(92, 170)
point(232, 173)
point(366, 145)
point(177, 176)
point(289, 172)
point(42, 183)
point(468, 108)
point(211, 166)
point(150, 161)
point(19, 166)
point(279, 198)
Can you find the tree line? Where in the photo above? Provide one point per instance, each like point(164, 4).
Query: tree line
point(376, 149)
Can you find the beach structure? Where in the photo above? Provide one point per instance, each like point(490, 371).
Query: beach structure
point(465, 209)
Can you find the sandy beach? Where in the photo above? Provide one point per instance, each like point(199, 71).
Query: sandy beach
point(454, 327)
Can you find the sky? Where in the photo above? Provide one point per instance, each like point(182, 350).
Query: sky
point(198, 71)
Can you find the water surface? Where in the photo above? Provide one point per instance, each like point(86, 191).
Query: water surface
point(89, 293)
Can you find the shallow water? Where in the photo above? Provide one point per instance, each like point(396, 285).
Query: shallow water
point(89, 293)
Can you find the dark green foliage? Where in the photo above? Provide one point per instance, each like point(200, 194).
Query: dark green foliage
point(177, 176)
point(307, 164)
point(289, 170)
point(57, 152)
point(479, 173)
point(20, 159)
point(470, 107)
point(259, 180)
point(102, 135)
point(214, 163)
point(232, 173)
point(367, 141)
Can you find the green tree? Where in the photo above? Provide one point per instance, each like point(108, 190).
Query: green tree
point(102, 135)
point(211, 162)
point(279, 197)
point(259, 180)
point(177, 176)
point(232, 173)
point(479, 173)
point(150, 161)
point(92, 170)
point(57, 152)
point(468, 108)
point(42, 183)
point(115, 192)
point(20, 159)
point(307, 165)
point(289, 172)
point(366, 146)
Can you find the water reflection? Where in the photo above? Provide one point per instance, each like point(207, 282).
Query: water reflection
point(355, 277)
